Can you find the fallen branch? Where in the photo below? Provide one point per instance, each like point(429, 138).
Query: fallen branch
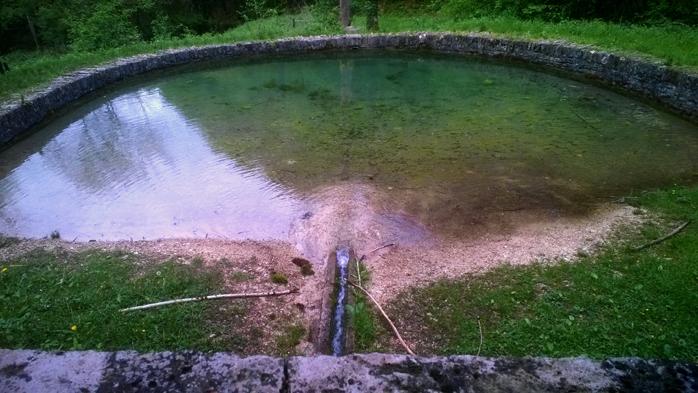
point(374, 250)
point(392, 326)
point(211, 297)
point(479, 325)
point(358, 271)
point(663, 238)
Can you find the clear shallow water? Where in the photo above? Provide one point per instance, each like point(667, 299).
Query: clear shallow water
point(238, 151)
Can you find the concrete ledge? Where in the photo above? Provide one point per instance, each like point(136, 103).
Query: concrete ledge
point(676, 90)
point(36, 371)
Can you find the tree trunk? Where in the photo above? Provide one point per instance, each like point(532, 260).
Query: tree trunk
point(345, 12)
point(33, 31)
point(372, 15)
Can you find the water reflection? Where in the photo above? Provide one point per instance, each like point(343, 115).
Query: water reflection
point(239, 150)
point(135, 167)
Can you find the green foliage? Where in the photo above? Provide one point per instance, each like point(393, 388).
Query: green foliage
point(279, 278)
point(362, 319)
point(363, 323)
point(89, 25)
point(257, 9)
point(288, 340)
point(71, 301)
point(109, 25)
point(618, 303)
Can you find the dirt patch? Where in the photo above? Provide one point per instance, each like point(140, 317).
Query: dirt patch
point(534, 238)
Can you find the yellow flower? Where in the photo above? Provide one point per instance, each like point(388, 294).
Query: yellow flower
point(74, 328)
point(4, 269)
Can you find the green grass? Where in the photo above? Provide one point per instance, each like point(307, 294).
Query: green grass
point(672, 44)
point(288, 340)
point(675, 45)
point(279, 278)
point(71, 301)
point(618, 303)
point(363, 321)
point(35, 69)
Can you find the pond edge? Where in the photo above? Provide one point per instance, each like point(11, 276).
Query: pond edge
point(676, 90)
point(37, 371)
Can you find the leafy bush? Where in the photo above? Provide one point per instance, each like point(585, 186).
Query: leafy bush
point(108, 26)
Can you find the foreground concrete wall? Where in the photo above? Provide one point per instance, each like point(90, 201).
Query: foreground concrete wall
point(35, 371)
point(676, 90)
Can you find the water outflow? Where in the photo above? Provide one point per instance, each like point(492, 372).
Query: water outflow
point(338, 322)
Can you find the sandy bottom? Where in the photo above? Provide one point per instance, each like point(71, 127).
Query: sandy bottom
point(357, 216)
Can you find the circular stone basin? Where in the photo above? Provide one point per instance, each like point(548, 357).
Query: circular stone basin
point(242, 150)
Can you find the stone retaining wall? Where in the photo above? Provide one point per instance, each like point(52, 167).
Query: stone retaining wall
point(676, 90)
point(36, 372)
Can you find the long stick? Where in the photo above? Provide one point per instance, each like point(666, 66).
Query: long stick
point(376, 249)
point(358, 271)
point(479, 325)
point(661, 239)
point(392, 326)
point(211, 297)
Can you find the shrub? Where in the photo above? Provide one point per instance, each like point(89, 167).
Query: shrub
point(278, 278)
point(108, 26)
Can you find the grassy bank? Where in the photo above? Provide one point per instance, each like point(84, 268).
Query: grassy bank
point(35, 69)
point(672, 44)
point(60, 300)
point(620, 302)
point(66, 301)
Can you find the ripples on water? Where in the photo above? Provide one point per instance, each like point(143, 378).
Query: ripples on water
point(137, 168)
point(237, 151)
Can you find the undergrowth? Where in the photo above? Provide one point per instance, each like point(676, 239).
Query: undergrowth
point(62, 301)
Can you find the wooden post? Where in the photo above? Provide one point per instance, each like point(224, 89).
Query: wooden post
point(345, 12)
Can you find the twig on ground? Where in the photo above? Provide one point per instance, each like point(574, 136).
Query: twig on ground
point(392, 326)
point(375, 249)
point(479, 325)
point(358, 272)
point(663, 238)
point(211, 297)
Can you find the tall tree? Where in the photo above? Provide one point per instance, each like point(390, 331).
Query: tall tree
point(345, 12)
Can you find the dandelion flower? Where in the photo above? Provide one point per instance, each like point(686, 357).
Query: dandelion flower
point(74, 328)
point(4, 269)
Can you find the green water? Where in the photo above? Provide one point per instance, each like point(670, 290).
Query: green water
point(454, 140)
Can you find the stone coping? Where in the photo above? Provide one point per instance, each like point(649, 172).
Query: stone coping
point(90, 371)
point(674, 89)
